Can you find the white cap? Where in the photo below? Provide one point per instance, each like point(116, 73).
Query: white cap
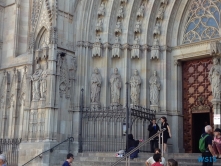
point(2, 157)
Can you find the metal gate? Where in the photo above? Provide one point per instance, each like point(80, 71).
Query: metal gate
point(104, 129)
point(10, 148)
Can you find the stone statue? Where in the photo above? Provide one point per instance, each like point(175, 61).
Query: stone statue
point(35, 78)
point(120, 13)
point(214, 77)
point(101, 10)
point(157, 29)
point(160, 13)
point(137, 27)
point(95, 86)
point(140, 12)
point(136, 40)
point(118, 27)
point(135, 82)
point(155, 50)
point(73, 68)
point(116, 83)
point(43, 84)
point(154, 89)
point(99, 25)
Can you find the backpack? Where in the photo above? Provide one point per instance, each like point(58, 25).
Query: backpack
point(202, 146)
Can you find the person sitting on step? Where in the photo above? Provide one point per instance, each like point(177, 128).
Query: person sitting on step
point(151, 161)
point(131, 145)
point(157, 159)
point(172, 162)
point(217, 142)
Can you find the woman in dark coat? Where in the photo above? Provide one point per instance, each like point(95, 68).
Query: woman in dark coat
point(131, 145)
point(166, 133)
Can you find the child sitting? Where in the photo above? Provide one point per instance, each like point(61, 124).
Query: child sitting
point(157, 159)
point(217, 142)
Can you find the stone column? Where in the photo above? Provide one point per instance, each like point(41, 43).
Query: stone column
point(215, 51)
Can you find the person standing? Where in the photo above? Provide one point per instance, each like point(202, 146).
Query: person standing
point(2, 160)
point(209, 152)
point(153, 128)
point(166, 133)
point(70, 159)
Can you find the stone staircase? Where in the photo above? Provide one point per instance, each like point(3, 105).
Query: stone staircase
point(106, 159)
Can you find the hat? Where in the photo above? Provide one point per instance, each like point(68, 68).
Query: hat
point(217, 130)
point(2, 157)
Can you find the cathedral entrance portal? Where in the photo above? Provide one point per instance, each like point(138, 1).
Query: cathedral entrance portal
point(197, 97)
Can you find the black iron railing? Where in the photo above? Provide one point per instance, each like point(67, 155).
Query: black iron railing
point(127, 155)
point(10, 148)
point(69, 140)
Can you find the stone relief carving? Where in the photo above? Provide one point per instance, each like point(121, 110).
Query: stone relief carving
point(96, 50)
point(73, 68)
point(165, 2)
point(96, 80)
point(215, 48)
point(214, 78)
point(157, 29)
point(140, 12)
point(123, 1)
point(154, 89)
point(35, 78)
point(43, 84)
point(64, 86)
point(155, 49)
point(137, 27)
point(160, 13)
point(99, 25)
point(116, 84)
point(135, 53)
point(120, 13)
point(118, 28)
point(116, 48)
point(135, 82)
point(101, 10)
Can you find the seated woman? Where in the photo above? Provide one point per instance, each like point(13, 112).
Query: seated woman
point(217, 142)
point(131, 145)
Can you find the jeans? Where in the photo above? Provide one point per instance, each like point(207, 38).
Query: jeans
point(207, 162)
point(153, 145)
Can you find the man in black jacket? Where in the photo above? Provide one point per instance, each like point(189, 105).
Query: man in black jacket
point(153, 129)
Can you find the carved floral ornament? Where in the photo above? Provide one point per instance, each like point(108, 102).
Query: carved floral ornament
point(200, 107)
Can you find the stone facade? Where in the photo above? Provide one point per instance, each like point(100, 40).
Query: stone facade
point(50, 48)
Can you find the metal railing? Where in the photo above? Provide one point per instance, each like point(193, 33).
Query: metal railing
point(70, 139)
point(10, 148)
point(127, 155)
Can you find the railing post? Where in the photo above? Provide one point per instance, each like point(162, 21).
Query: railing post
point(162, 145)
point(80, 120)
point(127, 116)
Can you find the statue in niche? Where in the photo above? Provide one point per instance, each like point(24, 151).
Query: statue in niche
point(35, 78)
point(137, 27)
point(95, 86)
point(120, 13)
point(214, 78)
point(73, 68)
point(160, 12)
point(136, 40)
point(157, 29)
point(43, 84)
point(154, 89)
point(140, 12)
point(101, 10)
point(118, 27)
point(135, 82)
point(116, 83)
point(99, 25)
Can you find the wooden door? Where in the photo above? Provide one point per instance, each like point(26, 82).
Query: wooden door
point(196, 94)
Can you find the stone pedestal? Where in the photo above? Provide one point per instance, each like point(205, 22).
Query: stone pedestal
point(155, 108)
point(95, 106)
point(216, 109)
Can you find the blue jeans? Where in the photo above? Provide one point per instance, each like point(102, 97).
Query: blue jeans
point(134, 154)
